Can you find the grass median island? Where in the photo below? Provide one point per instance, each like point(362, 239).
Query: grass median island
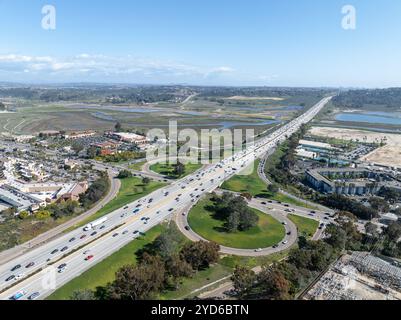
point(131, 189)
point(254, 185)
point(104, 272)
point(267, 233)
point(306, 227)
point(168, 169)
point(137, 166)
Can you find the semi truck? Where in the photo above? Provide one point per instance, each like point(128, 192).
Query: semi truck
point(95, 223)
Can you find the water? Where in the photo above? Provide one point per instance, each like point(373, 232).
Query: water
point(391, 118)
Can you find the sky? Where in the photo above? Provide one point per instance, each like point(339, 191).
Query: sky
point(202, 42)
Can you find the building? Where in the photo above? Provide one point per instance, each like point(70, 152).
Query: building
point(74, 192)
point(129, 137)
point(79, 135)
point(347, 181)
point(106, 148)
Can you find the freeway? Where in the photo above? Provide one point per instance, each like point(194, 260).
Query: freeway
point(80, 249)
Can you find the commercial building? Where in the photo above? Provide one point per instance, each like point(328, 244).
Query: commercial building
point(128, 137)
point(347, 181)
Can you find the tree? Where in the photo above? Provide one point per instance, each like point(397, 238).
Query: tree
point(178, 268)
point(379, 204)
point(393, 231)
point(118, 127)
point(371, 229)
point(200, 254)
point(179, 169)
point(92, 152)
point(2, 106)
point(123, 174)
point(243, 280)
point(146, 181)
point(273, 188)
point(23, 215)
point(272, 285)
point(139, 282)
point(85, 295)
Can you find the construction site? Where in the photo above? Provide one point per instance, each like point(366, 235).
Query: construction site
point(358, 276)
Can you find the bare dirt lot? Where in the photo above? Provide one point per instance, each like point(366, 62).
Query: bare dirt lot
point(389, 155)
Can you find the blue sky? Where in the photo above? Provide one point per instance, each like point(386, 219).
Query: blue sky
point(220, 42)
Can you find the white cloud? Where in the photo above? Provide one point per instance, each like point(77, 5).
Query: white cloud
point(96, 66)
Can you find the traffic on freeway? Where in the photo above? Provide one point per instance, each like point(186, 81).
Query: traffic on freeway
point(37, 273)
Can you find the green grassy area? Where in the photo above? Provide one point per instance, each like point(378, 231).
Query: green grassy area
point(306, 227)
point(168, 170)
point(200, 279)
point(131, 189)
point(250, 183)
point(137, 166)
point(104, 271)
point(267, 233)
point(254, 185)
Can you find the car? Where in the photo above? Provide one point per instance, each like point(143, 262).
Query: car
point(285, 242)
point(16, 267)
point(126, 207)
point(72, 240)
point(136, 232)
point(275, 246)
point(158, 212)
point(18, 295)
point(264, 203)
point(125, 232)
point(31, 264)
point(61, 270)
point(313, 212)
point(93, 233)
point(10, 278)
point(289, 233)
point(64, 249)
point(187, 228)
point(258, 250)
point(115, 235)
point(284, 223)
point(33, 296)
point(136, 211)
point(326, 218)
point(54, 251)
point(102, 227)
point(90, 257)
point(83, 236)
point(61, 266)
point(171, 209)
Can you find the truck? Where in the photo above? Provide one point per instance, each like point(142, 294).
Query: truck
point(95, 223)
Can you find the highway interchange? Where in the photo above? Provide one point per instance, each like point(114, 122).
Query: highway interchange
point(80, 250)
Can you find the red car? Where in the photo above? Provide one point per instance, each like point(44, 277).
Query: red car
point(83, 236)
point(89, 258)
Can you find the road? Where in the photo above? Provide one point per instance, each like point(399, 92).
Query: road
point(288, 241)
point(17, 251)
point(123, 225)
point(278, 211)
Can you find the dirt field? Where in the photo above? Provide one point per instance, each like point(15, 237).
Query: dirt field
point(389, 155)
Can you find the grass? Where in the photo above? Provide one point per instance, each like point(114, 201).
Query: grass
point(104, 271)
point(137, 166)
point(200, 279)
point(168, 170)
point(131, 189)
point(267, 233)
point(306, 227)
point(254, 185)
